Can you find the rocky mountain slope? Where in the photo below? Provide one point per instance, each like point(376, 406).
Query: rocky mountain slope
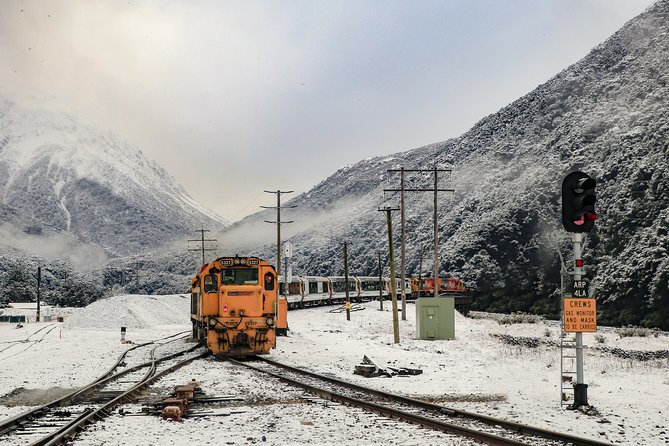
point(62, 178)
point(607, 115)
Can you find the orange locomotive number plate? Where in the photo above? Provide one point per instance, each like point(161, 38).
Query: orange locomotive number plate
point(580, 315)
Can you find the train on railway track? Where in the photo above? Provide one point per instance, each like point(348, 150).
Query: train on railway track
point(239, 305)
point(304, 291)
point(235, 306)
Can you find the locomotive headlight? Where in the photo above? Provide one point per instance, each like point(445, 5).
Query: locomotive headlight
point(270, 321)
point(212, 322)
point(236, 261)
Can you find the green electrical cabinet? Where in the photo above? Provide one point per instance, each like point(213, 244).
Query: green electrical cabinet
point(435, 318)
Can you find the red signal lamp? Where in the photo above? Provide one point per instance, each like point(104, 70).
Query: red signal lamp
point(579, 220)
point(579, 263)
point(583, 218)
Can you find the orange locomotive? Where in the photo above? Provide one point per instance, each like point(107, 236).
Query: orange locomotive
point(234, 306)
point(427, 287)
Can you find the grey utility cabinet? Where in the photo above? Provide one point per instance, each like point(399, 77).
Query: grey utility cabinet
point(435, 318)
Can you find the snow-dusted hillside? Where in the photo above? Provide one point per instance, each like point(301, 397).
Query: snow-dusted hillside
point(608, 115)
point(59, 173)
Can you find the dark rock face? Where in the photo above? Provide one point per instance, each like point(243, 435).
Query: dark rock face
point(607, 115)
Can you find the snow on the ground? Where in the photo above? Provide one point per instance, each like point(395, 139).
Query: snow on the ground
point(135, 311)
point(476, 372)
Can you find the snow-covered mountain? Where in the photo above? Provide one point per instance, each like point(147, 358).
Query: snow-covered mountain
point(60, 175)
point(607, 115)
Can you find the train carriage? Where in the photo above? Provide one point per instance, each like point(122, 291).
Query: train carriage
point(295, 294)
point(316, 290)
point(398, 286)
point(234, 306)
point(338, 289)
point(370, 287)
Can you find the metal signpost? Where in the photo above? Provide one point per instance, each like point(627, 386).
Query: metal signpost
point(287, 271)
point(579, 311)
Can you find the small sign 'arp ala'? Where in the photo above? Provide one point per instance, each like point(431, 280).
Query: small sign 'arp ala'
point(580, 315)
point(580, 288)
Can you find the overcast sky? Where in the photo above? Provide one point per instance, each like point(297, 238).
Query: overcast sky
point(236, 97)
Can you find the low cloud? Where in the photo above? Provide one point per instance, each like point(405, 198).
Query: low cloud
point(55, 246)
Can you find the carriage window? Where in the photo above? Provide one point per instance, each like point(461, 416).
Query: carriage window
point(313, 287)
point(239, 276)
point(210, 283)
point(371, 286)
point(340, 287)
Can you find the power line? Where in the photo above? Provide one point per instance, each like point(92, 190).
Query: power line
point(434, 189)
point(278, 223)
point(202, 241)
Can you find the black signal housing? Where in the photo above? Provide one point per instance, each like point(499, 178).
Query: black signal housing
point(578, 202)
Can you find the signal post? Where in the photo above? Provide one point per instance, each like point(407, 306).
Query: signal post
point(579, 310)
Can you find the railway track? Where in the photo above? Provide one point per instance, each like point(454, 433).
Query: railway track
point(482, 428)
point(26, 343)
point(60, 420)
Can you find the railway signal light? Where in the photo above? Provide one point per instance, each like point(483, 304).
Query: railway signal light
point(269, 281)
point(578, 202)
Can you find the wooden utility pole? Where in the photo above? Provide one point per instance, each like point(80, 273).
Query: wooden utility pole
point(278, 223)
point(435, 189)
point(348, 297)
point(420, 271)
point(380, 284)
point(202, 241)
point(393, 281)
point(404, 247)
point(39, 281)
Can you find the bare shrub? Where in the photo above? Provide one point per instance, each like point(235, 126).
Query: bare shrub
point(634, 331)
point(520, 318)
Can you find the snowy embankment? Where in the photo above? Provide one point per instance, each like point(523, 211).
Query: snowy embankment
point(134, 311)
point(478, 371)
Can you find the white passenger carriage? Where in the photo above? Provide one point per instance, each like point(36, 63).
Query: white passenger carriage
point(295, 295)
point(338, 289)
point(398, 286)
point(370, 287)
point(316, 290)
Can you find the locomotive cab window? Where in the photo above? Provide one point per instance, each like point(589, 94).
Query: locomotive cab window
point(210, 283)
point(239, 276)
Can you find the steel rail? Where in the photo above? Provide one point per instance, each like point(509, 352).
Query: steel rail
point(461, 431)
point(71, 429)
point(510, 425)
point(10, 423)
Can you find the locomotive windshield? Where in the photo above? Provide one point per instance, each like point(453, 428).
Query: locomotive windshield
point(239, 276)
